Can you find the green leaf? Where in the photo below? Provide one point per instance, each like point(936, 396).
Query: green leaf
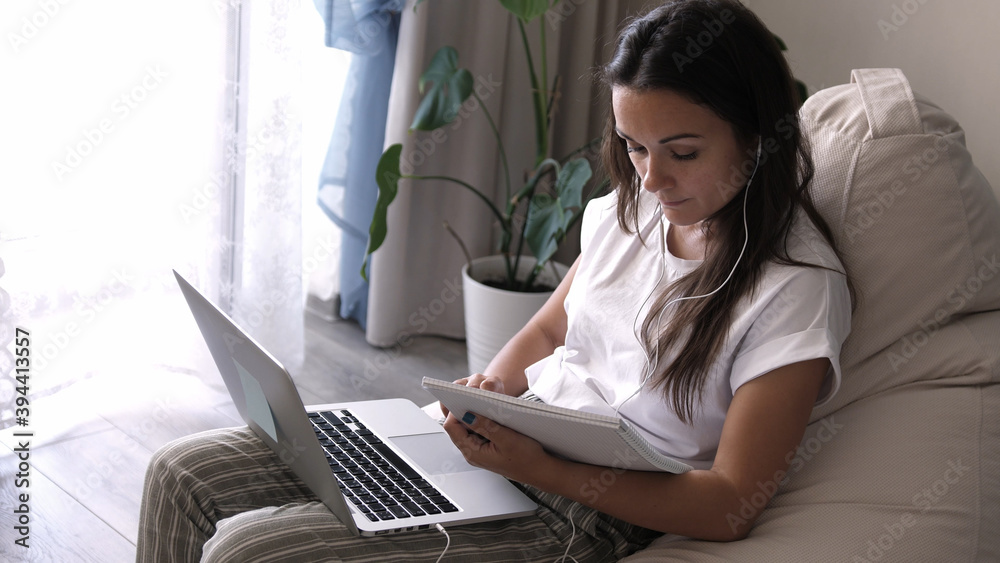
point(544, 226)
point(550, 217)
point(449, 87)
point(569, 185)
point(781, 44)
point(527, 10)
point(387, 177)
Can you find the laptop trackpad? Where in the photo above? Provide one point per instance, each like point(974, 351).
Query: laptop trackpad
point(435, 453)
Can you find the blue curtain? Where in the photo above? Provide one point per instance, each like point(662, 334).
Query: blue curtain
point(347, 190)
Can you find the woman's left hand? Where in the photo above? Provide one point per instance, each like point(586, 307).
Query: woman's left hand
point(488, 445)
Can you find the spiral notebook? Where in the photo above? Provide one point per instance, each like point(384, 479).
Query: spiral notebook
point(580, 436)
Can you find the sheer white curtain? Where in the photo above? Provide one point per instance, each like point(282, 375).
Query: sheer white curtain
point(142, 137)
point(109, 172)
point(267, 275)
point(252, 265)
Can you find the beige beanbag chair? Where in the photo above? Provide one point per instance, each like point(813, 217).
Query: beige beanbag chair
point(904, 463)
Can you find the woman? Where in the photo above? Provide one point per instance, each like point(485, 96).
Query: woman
point(709, 238)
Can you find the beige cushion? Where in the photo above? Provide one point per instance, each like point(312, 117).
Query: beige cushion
point(893, 478)
point(919, 228)
point(904, 463)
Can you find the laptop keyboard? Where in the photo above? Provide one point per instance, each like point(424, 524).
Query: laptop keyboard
point(372, 477)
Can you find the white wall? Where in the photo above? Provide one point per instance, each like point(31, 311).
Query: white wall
point(949, 50)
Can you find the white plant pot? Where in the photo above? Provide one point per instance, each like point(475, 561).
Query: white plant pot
point(493, 316)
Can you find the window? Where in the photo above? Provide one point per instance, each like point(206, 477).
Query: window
point(111, 170)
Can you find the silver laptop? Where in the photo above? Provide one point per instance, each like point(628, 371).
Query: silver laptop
point(380, 466)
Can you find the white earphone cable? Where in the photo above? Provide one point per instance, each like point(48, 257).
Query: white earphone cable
point(572, 535)
point(650, 368)
point(447, 544)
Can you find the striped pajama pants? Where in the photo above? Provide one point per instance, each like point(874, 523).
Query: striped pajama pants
point(223, 495)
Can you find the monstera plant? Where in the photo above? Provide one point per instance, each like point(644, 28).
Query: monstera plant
point(536, 212)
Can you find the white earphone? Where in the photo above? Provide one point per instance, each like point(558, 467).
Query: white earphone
point(650, 367)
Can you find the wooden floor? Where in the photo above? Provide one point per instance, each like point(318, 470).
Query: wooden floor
point(132, 387)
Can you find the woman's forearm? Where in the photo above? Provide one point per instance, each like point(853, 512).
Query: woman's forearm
point(763, 429)
point(538, 339)
point(527, 347)
point(702, 504)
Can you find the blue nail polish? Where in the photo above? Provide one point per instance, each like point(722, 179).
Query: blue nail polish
point(469, 418)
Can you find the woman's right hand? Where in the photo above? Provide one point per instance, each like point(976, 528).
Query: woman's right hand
point(484, 382)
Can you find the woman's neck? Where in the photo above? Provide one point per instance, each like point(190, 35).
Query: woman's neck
point(687, 243)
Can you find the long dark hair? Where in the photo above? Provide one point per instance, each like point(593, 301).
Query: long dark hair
point(717, 54)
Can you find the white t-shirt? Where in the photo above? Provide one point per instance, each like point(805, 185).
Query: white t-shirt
point(797, 314)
